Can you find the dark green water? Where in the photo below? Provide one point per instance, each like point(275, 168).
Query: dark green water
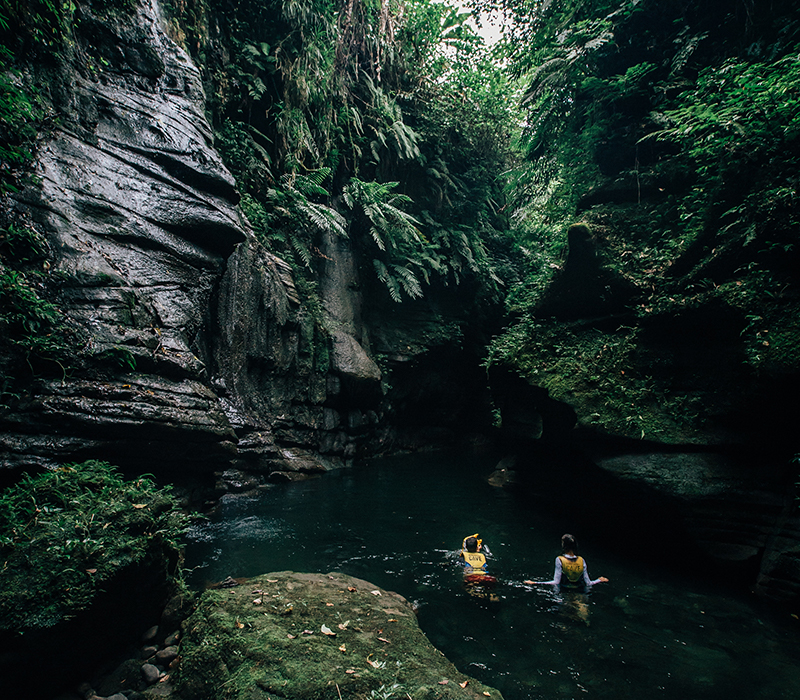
point(651, 633)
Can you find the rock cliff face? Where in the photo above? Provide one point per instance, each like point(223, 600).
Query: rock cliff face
point(196, 351)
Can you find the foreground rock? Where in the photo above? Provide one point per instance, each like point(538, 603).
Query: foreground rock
point(303, 636)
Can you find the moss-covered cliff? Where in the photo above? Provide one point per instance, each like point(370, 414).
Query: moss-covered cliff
point(661, 303)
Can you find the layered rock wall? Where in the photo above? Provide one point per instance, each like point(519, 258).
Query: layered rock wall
point(195, 350)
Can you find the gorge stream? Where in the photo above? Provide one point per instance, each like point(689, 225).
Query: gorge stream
point(655, 630)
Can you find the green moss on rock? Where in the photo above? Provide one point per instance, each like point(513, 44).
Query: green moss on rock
point(313, 637)
point(65, 534)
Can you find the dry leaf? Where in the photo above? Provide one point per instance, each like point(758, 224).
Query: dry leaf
point(375, 592)
point(239, 625)
point(381, 639)
point(327, 630)
point(290, 636)
point(349, 670)
point(257, 601)
point(351, 589)
point(487, 694)
point(164, 678)
point(444, 682)
point(464, 684)
point(391, 619)
point(330, 605)
point(139, 506)
point(272, 580)
point(307, 632)
point(342, 648)
point(343, 625)
point(91, 571)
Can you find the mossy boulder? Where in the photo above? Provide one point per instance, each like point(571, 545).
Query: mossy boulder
point(87, 560)
point(313, 637)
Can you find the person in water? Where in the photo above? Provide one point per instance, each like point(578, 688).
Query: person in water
point(473, 557)
point(571, 576)
point(571, 571)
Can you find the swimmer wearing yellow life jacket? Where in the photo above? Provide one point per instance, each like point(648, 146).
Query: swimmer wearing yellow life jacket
point(474, 560)
point(570, 571)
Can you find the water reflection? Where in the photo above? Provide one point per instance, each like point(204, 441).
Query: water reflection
point(397, 522)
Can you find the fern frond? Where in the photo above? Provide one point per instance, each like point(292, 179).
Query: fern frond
point(376, 236)
point(391, 283)
point(300, 248)
point(408, 281)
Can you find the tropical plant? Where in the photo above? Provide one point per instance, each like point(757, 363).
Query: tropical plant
point(65, 533)
point(393, 231)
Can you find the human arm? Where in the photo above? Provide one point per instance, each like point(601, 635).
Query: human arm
point(556, 576)
point(589, 581)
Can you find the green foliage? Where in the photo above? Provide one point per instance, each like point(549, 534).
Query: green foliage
point(22, 244)
point(30, 326)
point(18, 117)
point(243, 148)
point(366, 94)
point(673, 133)
point(287, 219)
point(740, 125)
point(393, 231)
point(600, 371)
point(118, 357)
point(34, 335)
point(66, 533)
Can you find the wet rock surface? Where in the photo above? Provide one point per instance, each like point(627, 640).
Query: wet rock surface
point(734, 516)
point(194, 353)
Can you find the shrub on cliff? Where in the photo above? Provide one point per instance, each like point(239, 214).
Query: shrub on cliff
point(65, 534)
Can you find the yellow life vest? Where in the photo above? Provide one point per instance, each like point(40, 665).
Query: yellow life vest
point(474, 561)
point(572, 569)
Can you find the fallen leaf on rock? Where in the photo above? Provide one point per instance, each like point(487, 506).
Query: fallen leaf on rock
point(391, 619)
point(351, 589)
point(257, 601)
point(272, 580)
point(290, 636)
point(464, 684)
point(487, 694)
point(343, 648)
point(444, 682)
point(375, 664)
point(139, 506)
point(327, 630)
point(375, 592)
point(381, 639)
